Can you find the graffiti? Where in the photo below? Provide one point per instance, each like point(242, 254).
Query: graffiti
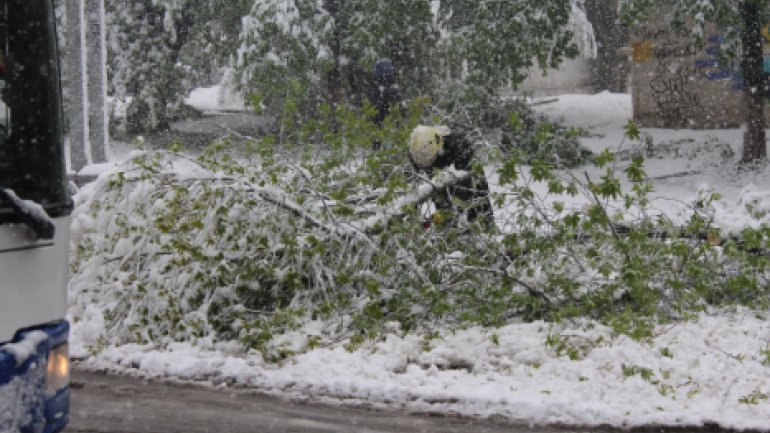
point(681, 82)
point(713, 67)
point(667, 49)
point(676, 92)
point(669, 86)
point(670, 83)
point(646, 50)
point(650, 31)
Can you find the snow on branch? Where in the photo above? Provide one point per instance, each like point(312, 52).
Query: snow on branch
point(424, 191)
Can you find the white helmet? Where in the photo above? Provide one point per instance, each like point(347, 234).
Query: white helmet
point(426, 143)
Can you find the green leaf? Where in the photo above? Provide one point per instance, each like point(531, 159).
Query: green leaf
point(515, 122)
point(603, 159)
point(507, 172)
point(632, 130)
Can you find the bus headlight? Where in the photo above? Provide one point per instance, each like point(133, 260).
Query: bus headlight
point(57, 374)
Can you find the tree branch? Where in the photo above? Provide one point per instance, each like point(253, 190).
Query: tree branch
point(424, 191)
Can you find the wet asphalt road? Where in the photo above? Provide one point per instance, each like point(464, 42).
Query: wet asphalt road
point(115, 404)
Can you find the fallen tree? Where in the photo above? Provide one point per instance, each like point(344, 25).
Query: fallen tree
point(282, 252)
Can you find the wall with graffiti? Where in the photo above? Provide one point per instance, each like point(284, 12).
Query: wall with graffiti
point(676, 84)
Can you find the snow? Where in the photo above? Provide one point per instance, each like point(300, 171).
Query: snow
point(16, 397)
point(714, 363)
point(21, 393)
point(33, 210)
point(93, 170)
point(712, 369)
point(25, 348)
point(684, 163)
point(216, 98)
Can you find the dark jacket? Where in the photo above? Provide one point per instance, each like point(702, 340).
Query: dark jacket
point(457, 151)
point(474, 190)
point(383, 93)
point(383, 98)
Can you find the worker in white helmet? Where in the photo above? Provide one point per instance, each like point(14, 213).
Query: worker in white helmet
point(436, 147)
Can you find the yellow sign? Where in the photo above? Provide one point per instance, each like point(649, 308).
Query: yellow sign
point(641, 51)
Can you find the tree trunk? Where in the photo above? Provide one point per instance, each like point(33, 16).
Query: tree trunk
point(754, 146)
point(97, 93)
point(75, 96)
point(611, 68)
point(334, 76)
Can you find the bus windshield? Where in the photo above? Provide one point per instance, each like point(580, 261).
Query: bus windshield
point(31, 149)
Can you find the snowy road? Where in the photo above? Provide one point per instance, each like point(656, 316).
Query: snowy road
point(113, 404)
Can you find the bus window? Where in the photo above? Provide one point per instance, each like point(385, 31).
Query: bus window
point(31, 148)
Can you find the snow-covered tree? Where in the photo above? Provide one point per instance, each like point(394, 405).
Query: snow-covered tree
point(743, 21)
point(158, 48)
point(144, 41)
point(255, 246)
point(327, 47)
point(213, 37)
point(278, 45)
point(499, 41)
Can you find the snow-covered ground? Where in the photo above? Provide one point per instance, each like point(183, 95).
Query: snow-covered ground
point(715, 369)
point(681, 163)
point(216, 98)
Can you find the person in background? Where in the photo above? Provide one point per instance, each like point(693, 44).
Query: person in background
point(384, 92)
point(437, 147)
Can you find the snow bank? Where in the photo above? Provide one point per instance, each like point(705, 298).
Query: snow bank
point(216, 98)
point(711, 370)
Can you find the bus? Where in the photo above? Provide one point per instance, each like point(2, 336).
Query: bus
point(35, 207)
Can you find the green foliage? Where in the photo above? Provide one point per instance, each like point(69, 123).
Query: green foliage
point(259, 244)
point(635, 370)
point(755, 397)
point(648, 375)
point(766, 354)
point(158, 50)
point(565, 346)
point(142, 61)
point(695, 17)
point(544, 141)
point(329, 47)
